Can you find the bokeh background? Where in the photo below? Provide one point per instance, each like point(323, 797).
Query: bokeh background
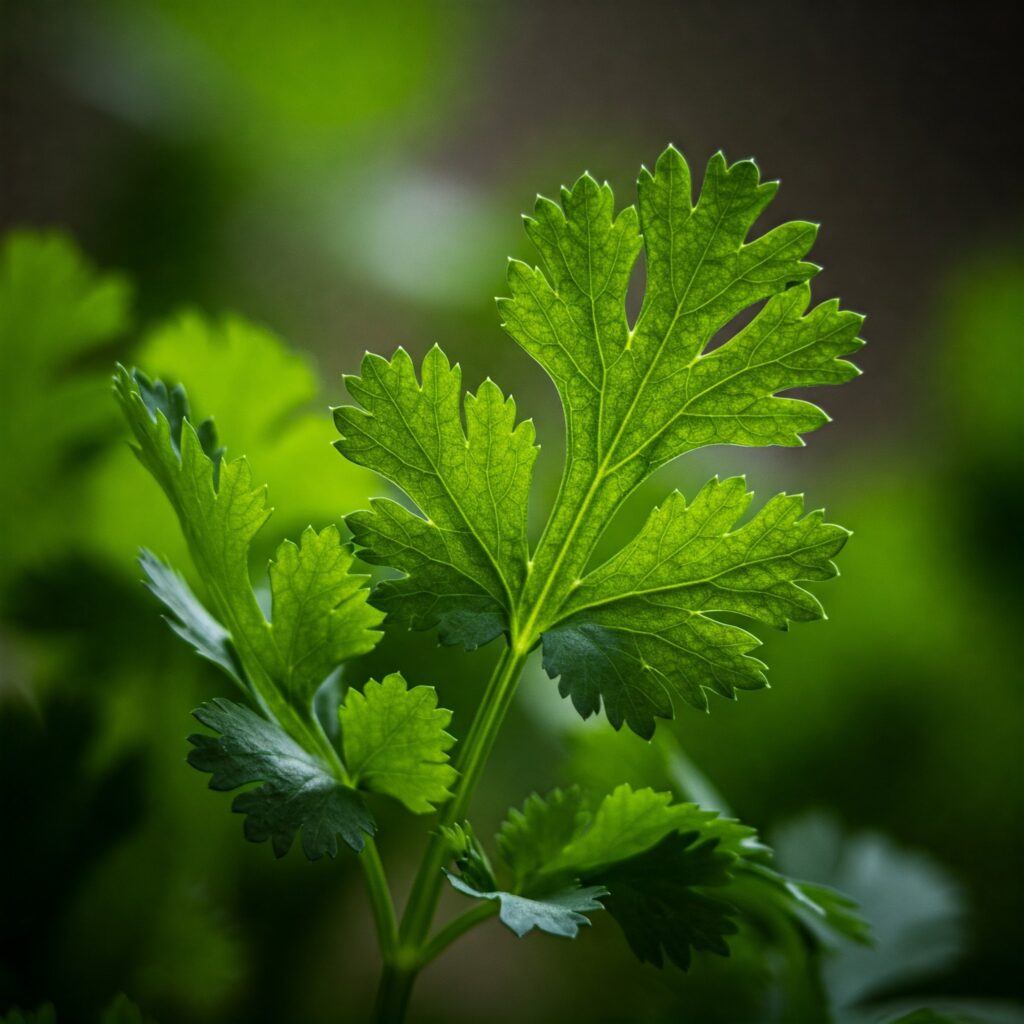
point(349, 176)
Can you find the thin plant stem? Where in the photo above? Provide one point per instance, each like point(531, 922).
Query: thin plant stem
point(380, 899)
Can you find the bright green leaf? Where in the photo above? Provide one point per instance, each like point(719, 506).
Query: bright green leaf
point(534, 837)
point(641, 627)
point(395, 742)
point(319, 614)
point(640, 630)
point(466, 561)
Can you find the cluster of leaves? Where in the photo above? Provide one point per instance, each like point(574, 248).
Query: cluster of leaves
point(645, 627)
point(674, 876)
point(629, 635)
point(393, 737)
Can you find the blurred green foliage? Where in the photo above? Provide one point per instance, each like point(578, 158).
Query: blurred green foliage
point(271, 163)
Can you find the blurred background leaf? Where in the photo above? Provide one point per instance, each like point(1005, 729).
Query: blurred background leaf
point(347, 177)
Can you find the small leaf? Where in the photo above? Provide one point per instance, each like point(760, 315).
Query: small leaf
point(395, 742)
point(534, 837)
point(628, 822)
point(560, 912)
point(189, 619)
point(320, 616)
point(656, 899)
point(298, 792)
point(470, 857)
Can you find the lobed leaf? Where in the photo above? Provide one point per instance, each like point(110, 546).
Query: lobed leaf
point(395, 742)
point(298, 792)
point(560, 912)
point(466, 561)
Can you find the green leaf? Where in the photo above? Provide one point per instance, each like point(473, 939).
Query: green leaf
point(56, 314)
point(469, 855)
point(628, 822)
point(657, 900)
point(224, 363)
point(653, 857)
point(298, 793)
point(319, 614)
point(465, 563)
point(189, 618)
point(640, 628)
point(560, 912)
point(532, 838)
point(395, 742)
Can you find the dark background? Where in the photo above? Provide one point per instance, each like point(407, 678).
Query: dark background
point(351, 176)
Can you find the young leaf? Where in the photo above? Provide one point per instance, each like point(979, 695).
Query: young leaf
point(319, 612)
point(298, 793)
point(532, 838)
point(189, 618)
point(395, 742)
point(640, 630)
point(559, 912)
point(470, 857)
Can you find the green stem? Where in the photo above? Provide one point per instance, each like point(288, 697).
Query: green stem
point(426, 889)
point(456, 928)
point(380, 899)
point(393, 994)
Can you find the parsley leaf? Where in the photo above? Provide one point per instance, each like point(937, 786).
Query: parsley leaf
point(642, 629)
point(298, 792)
point(395, 742)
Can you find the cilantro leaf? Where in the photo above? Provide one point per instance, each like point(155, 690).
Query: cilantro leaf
point(319, 612)
point(629, 821)
point(640, 630)
point(533, 837)
point(395, 742)
point(465, 563)
point(560, 912)
point(650, 858)
point(189, 618)
point(298, 793)
point(656, 899)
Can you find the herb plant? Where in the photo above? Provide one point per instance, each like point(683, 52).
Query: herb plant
point(634, 635)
